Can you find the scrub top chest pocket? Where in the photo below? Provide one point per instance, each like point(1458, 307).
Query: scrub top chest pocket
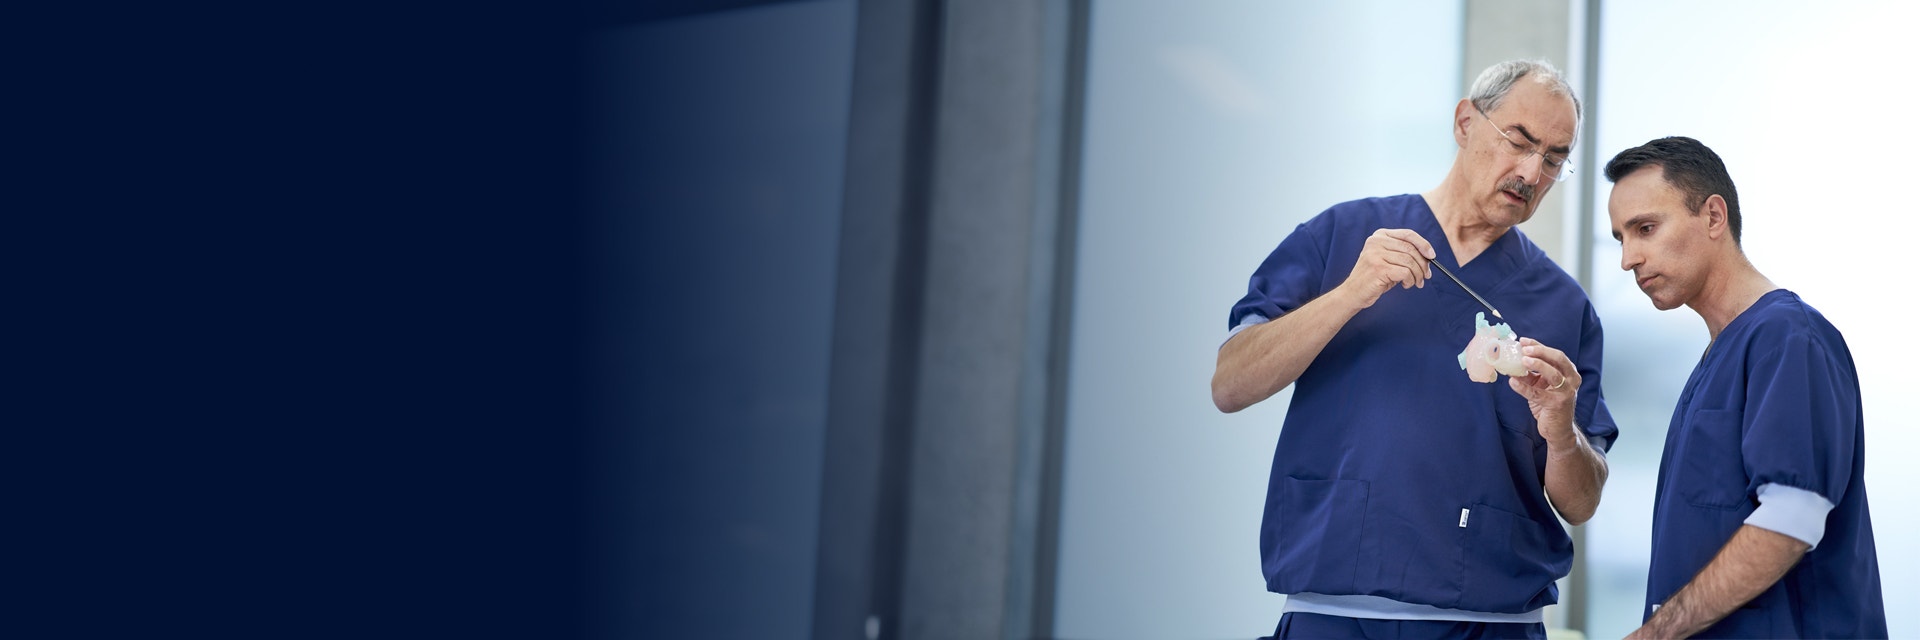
point(1711, 473)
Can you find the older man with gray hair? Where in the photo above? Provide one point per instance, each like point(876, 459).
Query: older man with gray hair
point(1405, 499)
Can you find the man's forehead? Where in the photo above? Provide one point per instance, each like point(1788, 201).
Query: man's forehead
point(1538, 109)
point(1643, 191)
point(1538, 95)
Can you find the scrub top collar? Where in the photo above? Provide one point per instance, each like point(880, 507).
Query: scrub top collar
point(1487, 271)
point(1740, 325)
point(1740, 322)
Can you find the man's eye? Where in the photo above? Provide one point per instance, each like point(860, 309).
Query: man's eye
point(1646, 229)
point(1555, 162)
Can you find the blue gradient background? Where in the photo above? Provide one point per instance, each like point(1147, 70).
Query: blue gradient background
point(387, 320)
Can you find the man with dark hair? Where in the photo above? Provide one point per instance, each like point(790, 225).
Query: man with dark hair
point(1760, 524)
point(1406, 500)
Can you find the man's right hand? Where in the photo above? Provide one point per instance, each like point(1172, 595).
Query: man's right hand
point(1390, 257)
point(1263, 359)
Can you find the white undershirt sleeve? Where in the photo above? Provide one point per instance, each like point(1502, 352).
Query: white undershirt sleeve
point(1245, 321)
point(1793, 512)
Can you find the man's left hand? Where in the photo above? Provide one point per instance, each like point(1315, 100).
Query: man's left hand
point(1550, 390)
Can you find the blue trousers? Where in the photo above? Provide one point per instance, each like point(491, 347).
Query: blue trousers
point(1296, 625)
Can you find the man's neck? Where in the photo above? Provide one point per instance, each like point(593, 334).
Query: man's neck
point(1468, 233)
point(1730, 294)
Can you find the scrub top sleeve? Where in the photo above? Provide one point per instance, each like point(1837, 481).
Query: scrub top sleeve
point(1796, 513)
point(1246, 322)
point(1590, 411)
point(1289, 277)
point(1800, 418)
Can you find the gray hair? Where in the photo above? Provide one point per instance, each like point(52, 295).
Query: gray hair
point(1497, 81)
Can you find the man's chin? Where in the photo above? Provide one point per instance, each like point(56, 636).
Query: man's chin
point(1520, 213)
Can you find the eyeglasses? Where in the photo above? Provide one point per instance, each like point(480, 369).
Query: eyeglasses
point(1552, 167)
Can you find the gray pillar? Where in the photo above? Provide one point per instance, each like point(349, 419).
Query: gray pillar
point(878, 299)
point(940, 497)
point(1498, 30)
point(975, 562)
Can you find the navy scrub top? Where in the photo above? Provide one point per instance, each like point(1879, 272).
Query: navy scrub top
point(1395, 475)
point(1775, 400)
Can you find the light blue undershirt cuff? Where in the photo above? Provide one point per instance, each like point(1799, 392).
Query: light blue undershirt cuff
point(1793, 512)
point(1245, 321)
point(1378, 608)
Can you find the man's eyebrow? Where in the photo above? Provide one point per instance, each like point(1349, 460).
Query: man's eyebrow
point(1633, 222)
point(1526, 134)
point(1562, 150)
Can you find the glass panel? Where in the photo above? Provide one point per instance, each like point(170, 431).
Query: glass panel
point(1212, 129)
point(1806, 105)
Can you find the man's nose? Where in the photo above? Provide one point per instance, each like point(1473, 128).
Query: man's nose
point(1530, 170)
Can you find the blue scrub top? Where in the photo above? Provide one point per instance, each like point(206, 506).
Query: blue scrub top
point(1775, 400)
point(1395, 475)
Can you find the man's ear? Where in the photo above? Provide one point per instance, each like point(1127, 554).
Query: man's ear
point(1715, 208)
point(1462, 118)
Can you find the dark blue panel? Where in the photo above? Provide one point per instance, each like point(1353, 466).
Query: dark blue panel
point(719, 153)
point(305, 283)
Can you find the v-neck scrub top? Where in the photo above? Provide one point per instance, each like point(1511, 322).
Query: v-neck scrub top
point(1774, 402)
point(1400, 488)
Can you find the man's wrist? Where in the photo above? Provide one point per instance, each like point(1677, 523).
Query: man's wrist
point(1348, 299)
point(1564, 439)
point(1660, 626)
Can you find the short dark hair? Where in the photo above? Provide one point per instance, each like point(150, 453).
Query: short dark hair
point(1687, 165)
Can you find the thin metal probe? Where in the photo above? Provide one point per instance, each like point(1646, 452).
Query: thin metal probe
point(1464, 287)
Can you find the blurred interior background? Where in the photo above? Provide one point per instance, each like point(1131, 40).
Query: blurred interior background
point(906, 310)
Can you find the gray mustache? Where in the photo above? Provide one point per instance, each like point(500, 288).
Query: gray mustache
point(1515, 185)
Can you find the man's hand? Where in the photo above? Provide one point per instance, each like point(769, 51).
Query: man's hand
point(1263, 359)
point(1390, 257)
point(1746, 566)
point(1576, 472)
point(1550, 390)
